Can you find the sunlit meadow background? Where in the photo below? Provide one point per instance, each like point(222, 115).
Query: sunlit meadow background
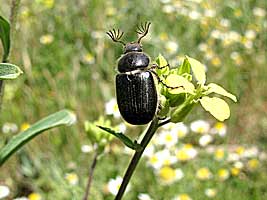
point(69, 62)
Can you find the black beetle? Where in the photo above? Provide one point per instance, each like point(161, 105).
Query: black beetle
point(135, 88)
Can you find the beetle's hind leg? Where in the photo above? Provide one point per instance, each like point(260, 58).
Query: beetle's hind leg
point(162, 82)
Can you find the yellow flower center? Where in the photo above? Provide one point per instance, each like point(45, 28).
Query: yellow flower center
point(167, 173)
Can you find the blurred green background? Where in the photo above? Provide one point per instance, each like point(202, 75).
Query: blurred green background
point(69, 62)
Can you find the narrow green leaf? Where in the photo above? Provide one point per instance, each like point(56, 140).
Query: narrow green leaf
point(212, 87)
point(63, 117)
point(162, 63)
point(198, 70)
point(5, 36)
point(216, 107)
point(185, 67)
point(127, 141)
point(9, 71)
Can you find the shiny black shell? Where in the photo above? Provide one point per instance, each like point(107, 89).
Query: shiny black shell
point(136, 97)
point(132, 61)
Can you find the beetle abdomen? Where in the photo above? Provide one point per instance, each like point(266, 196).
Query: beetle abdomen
point(132, 61)
point(136, 97)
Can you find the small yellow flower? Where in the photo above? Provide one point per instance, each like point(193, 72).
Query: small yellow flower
point(182, 155)
point(88, 58)
point(167, 174)
point(72, 178)
point(235, 171)
point(183, 197)
point(223, 174)
point(46, 39)
point(203, 173)
point(48, 3)
point(219, 154)
point(163, 36)
point(253, 164)
point(110, 11)
point(238, 13)
point(240, 150)
point(34, 196)
point(24, 126)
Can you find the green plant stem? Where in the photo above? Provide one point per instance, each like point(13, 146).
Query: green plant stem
point(90, 175)
point(131, 168)
point(13, 17)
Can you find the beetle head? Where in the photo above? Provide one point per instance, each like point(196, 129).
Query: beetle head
point(132, 46)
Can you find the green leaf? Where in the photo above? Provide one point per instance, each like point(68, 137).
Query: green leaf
point(127, 141)
point(198, 70)
point(63, 117)
point(9, 71)
point(216, 107)
point(176, 81)
point(5, 36)
point(162, 62)
point(212, 87)
point(185, 67)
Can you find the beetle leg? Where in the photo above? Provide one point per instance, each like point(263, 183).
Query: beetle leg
point(161, 81)
point(154, 65)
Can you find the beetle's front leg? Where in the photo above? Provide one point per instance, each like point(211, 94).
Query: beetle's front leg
point(154, 65)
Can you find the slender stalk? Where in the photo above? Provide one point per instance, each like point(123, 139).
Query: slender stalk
point(90, 176)
point(131, 168)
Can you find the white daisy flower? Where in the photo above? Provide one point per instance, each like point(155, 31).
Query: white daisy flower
point(114, 185)
point(143, 196)
point(219, 128)
point(210, 192)
point(72, 178)
point(259, 12)
point(167, 138)
point(169, 175)
point(204, 140)
point(180, 129)
point(171, 47)
point(111, 108)
point(200, 126)
point(86, 148)
point(4, 191)
point(9, 128)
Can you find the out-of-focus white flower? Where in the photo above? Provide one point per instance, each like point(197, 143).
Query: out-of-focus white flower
point(143, 196)
point(210, 192)
point(187, 152)
point(9, 128)
point(161, 158)
point(194, 15)
point(168, 175)
point(251, 152)
point(232, 157)
point(21, 198)
point(209, 13)
point(250, 34)
point(171, 47)
point(4, 191)
point(97, 34)
point(122, 127)
point(216, 34)
point(114, 185)
point(86, 148)
point(204, 140)
point(180, 129)
point(259, 12)
point(219, 128)
point(262, 156)
point(72, 178)
point(203, 47)
point(168, 8)
point(149, 150)
point(167, 138)
point(238, 165)
point(225, 22)
point(200, 126)
point(219, 154)
point(46, 39)
point(111, 108)
point(165, 1)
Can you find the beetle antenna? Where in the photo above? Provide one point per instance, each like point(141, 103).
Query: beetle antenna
point(116, 35)
point(142, 30)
